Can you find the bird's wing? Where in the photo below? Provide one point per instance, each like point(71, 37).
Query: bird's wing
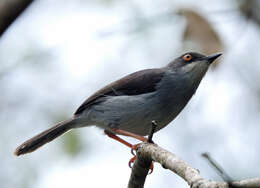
point(136, 83)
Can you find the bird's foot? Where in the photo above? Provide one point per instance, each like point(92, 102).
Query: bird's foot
point(133, 147)
point(132, 160)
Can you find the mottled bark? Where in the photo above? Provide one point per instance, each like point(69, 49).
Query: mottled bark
point(150, 152)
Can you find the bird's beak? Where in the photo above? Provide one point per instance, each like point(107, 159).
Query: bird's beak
point(211, 58)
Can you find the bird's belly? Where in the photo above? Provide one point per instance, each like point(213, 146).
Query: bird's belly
point(134, 114)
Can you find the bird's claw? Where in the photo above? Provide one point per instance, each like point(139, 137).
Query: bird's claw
point(133, 149)
point(132, 160)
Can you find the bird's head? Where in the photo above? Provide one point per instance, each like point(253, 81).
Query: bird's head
point(193, 64)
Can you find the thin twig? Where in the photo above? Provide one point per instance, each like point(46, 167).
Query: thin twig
point(217, 168)
point(150, 137)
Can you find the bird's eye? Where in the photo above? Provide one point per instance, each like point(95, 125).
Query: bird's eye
point(187, 57)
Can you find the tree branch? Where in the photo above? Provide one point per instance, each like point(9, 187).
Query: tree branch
point(140, 170)
point(147, 152)
point(9, 11)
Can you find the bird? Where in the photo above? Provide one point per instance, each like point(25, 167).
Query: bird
point(129, 105)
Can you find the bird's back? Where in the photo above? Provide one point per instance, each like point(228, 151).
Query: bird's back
point(134, 113)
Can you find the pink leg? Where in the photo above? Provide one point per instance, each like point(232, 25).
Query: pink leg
point(133, 147)
point(126, 133)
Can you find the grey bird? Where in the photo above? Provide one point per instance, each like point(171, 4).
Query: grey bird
point(129, 105)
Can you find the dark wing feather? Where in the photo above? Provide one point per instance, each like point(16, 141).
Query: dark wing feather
point(136, 83)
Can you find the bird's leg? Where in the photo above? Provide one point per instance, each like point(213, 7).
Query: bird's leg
point(133, 147)
point(133, 135)
point(126, 133)
point(141, 138)
point(117, 138)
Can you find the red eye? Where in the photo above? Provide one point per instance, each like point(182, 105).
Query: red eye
point(187, 57)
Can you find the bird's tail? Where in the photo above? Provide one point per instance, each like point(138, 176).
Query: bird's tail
point(45, 137)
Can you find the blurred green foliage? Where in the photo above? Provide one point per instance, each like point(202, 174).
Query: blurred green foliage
point(71, 143)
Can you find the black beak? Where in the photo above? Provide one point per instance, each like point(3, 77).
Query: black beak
point(211, 58)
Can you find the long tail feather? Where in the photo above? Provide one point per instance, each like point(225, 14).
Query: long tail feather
point(44, 137)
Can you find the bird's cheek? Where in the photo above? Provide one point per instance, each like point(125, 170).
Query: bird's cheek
point(189, 67)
